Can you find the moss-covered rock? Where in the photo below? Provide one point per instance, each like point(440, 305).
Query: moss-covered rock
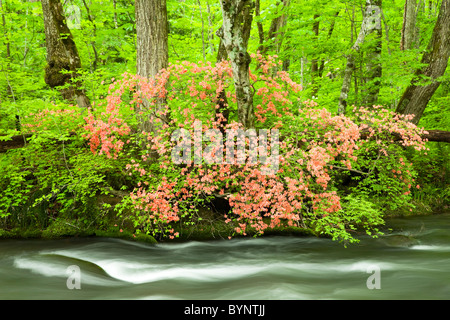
point(61, 228)
point(18, 233)
point(30, 233)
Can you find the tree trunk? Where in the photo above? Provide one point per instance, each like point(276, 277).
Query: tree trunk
point(330, 33)
point(237, 18)
point(152, 37)
point(259, 26)
point(276, 33)
point(221, 51)
point(203, 30)
point(435, 60)
point(63, 60)
point(116, 26)
point(222, 113)
point(315, 61)
point(7, 70)
point(210, 28)
point(373, 58)
point(91, 19)
point(409, 30)
point(371, 22)
point(152, 55)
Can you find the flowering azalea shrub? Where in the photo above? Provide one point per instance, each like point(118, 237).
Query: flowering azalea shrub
point(315, 151)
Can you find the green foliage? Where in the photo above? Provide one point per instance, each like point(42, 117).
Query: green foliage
point(14, 185)
point(386, 179)
point(56, 175)
point(358, 213)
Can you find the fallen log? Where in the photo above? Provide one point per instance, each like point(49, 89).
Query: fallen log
point(15, 142)
point(438, 136)
point(431, 135)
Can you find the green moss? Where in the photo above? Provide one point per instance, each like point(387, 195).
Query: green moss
point(64, 227)
point(145, 238)
point(61, 228)
point(125, 235)
point(31, 233)
point(18, 233)
point(4, 234)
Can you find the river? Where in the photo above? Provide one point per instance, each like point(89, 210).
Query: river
point(412, 262)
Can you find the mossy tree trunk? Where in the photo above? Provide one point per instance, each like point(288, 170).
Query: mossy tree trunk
point(435, 59)
point(237, 19)
point(371, 25)
point(63, 60)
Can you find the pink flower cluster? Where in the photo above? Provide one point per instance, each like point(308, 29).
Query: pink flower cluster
point(314, 141)
point(104, 134)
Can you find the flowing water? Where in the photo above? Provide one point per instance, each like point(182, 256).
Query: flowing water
point(412, 262)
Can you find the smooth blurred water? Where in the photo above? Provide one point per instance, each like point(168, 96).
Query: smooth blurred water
point(257, 268)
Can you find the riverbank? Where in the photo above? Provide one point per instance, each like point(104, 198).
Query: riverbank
point(206, 231)
point(106, 223)
point(209, 229)
point(52, 234)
